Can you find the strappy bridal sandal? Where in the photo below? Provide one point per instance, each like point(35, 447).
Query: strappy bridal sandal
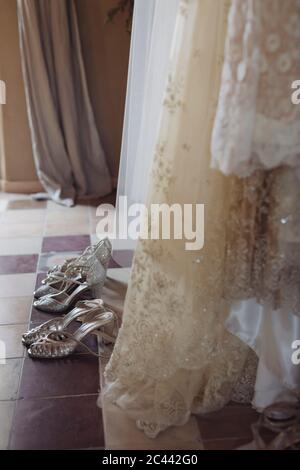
point(56, 280)
point(73, 290)
point(84, 311)
point(52, 347)
point(58, 269)
point(63, 301)
point(52, 284)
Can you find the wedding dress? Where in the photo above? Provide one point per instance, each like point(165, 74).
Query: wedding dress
point(263, 276)
point(173, 355)
point(256, 136)
point(257, 125)
point(270, 333)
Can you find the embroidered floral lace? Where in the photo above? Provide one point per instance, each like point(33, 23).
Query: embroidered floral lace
point(173, 355)
point(263, 239)
point(257, 126)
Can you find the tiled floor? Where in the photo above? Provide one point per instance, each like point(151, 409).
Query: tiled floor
point(49, 404)
point(52, 404)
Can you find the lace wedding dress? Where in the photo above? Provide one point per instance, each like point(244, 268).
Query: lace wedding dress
point(262, 277)
point(173, 355)
point(256, 136)
point(257, 125)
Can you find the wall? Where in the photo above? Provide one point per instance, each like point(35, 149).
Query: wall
point(17, 167)
point(106, 52)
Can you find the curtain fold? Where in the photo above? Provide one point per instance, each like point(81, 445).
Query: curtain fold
point(68, 155)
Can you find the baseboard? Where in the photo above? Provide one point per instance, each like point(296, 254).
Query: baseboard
point(28, 187)
point(24, 187)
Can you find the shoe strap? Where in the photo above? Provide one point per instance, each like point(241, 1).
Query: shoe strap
point(47, 340)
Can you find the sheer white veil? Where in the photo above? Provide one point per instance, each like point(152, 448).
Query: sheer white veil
point(152, 33)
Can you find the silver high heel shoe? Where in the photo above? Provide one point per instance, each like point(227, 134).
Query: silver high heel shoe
point(72, 290)
point(55, 285)
point(83, 311)
point(58, 269)
point(52, 284)
point(52, 347)
point(55, 281)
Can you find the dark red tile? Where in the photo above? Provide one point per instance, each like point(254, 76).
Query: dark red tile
point(37, 316)
point(225, 444)
point(113, 264)
point(68, 243)
point(76, 375)
point(19, 264)
point(57, 423)
point(233, 421)
point(121, 258)
point(114, 293)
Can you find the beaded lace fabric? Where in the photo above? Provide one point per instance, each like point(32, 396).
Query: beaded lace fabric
point(263, 239)
point(173, 355)
point(257, 136)
point(90, 268)
point(92, 265)
point(257, 125)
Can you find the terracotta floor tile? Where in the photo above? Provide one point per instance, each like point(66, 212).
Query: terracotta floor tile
point(37, 316)
point(225, 444)
point(230, 422)
point(76, 375)
point(57, 423)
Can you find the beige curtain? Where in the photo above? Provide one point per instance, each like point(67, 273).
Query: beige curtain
point(67, 150)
